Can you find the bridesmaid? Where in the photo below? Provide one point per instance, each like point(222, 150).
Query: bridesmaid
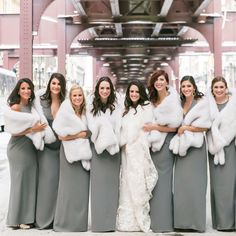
point(104, 122)
point(163, 98)
point(222, 161)
point(22, 156)
point(73, 192)
point(48, 159)
point(190, 173)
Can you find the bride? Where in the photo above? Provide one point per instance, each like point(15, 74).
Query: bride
point(138, 173)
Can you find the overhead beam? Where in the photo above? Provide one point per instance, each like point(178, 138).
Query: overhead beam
point(157, 29)
point(202, 6)
point(79, 8)
point(166, 7)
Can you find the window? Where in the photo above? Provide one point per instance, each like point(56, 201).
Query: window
point(228, 5)
point(9, 6)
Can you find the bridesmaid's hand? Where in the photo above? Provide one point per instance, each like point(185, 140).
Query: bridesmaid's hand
point(38, 127)
point(181, 130)
point(148, 127)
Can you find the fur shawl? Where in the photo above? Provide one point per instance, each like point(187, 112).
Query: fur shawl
point(223, 129)
point(105, 128)
point(17, 122)
point(168, 113)
point(66, 123)
point(197, 116)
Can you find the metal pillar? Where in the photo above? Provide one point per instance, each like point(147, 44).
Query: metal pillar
point(26, 39)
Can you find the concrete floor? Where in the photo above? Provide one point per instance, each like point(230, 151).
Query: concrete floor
point(4, 195)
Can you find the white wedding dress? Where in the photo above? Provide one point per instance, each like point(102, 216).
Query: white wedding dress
point(138, 173)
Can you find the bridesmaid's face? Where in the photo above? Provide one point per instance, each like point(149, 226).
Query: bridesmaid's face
point(161, 83)
point(25, 91)
point(187, 89)
point(104, 90)
point(55, 86)
point(134, 94)
point(77, 97)
point(219, 89)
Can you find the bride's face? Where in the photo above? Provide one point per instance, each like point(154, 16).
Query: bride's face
point(134, 94)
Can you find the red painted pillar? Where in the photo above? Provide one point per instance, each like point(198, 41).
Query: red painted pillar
point(61, 32)
point(217, 42)
point(26, 39)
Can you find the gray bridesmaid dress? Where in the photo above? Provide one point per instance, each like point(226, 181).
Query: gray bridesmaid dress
point(223, 188)
point(161, 204)
point(105, 171)
point(190, 184)
point(48, 177)
point(22, 158)
point(73, 197)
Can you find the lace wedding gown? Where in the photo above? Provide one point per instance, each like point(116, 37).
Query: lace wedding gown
point(138, 174)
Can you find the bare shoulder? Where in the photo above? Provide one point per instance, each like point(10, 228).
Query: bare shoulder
point(15, 107)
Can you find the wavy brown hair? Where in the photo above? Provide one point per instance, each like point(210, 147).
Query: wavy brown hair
point(98, 105)
point(142, 100)
point(14, 97)
point(196, 95)
point(47, 95)
point(153, 93)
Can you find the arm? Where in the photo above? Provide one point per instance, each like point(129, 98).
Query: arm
point(160, 128)
point(38, 127)
point(82, 134)
point(181, 129)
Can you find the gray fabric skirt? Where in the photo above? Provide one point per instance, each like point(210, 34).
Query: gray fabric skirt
point(73, 197)
point(161, 204)
point(223, 190)
point(105, 171)
point(22, 158)
point(48, 167)
point(190, 183)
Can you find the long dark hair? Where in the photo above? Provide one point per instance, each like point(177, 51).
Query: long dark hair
point(47, 95)
point(218, 79)
point(196, 94)
point(142, 100)
point(14, 97)
point(98, 105)
point(153, 93)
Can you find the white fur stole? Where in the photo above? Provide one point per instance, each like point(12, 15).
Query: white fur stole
point(168, 113)
point(66, 123)
point(223, 129)
point(105, 128)
point(198, 116)
point(17, 122)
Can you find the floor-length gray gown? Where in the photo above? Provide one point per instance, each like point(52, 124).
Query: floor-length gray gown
point(223, 188)
point(48, 177)
point(73, 197)
point(190, 183)
point(161, 204)
point(22, 158)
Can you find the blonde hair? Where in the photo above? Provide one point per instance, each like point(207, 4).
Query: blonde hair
point(82, 107)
